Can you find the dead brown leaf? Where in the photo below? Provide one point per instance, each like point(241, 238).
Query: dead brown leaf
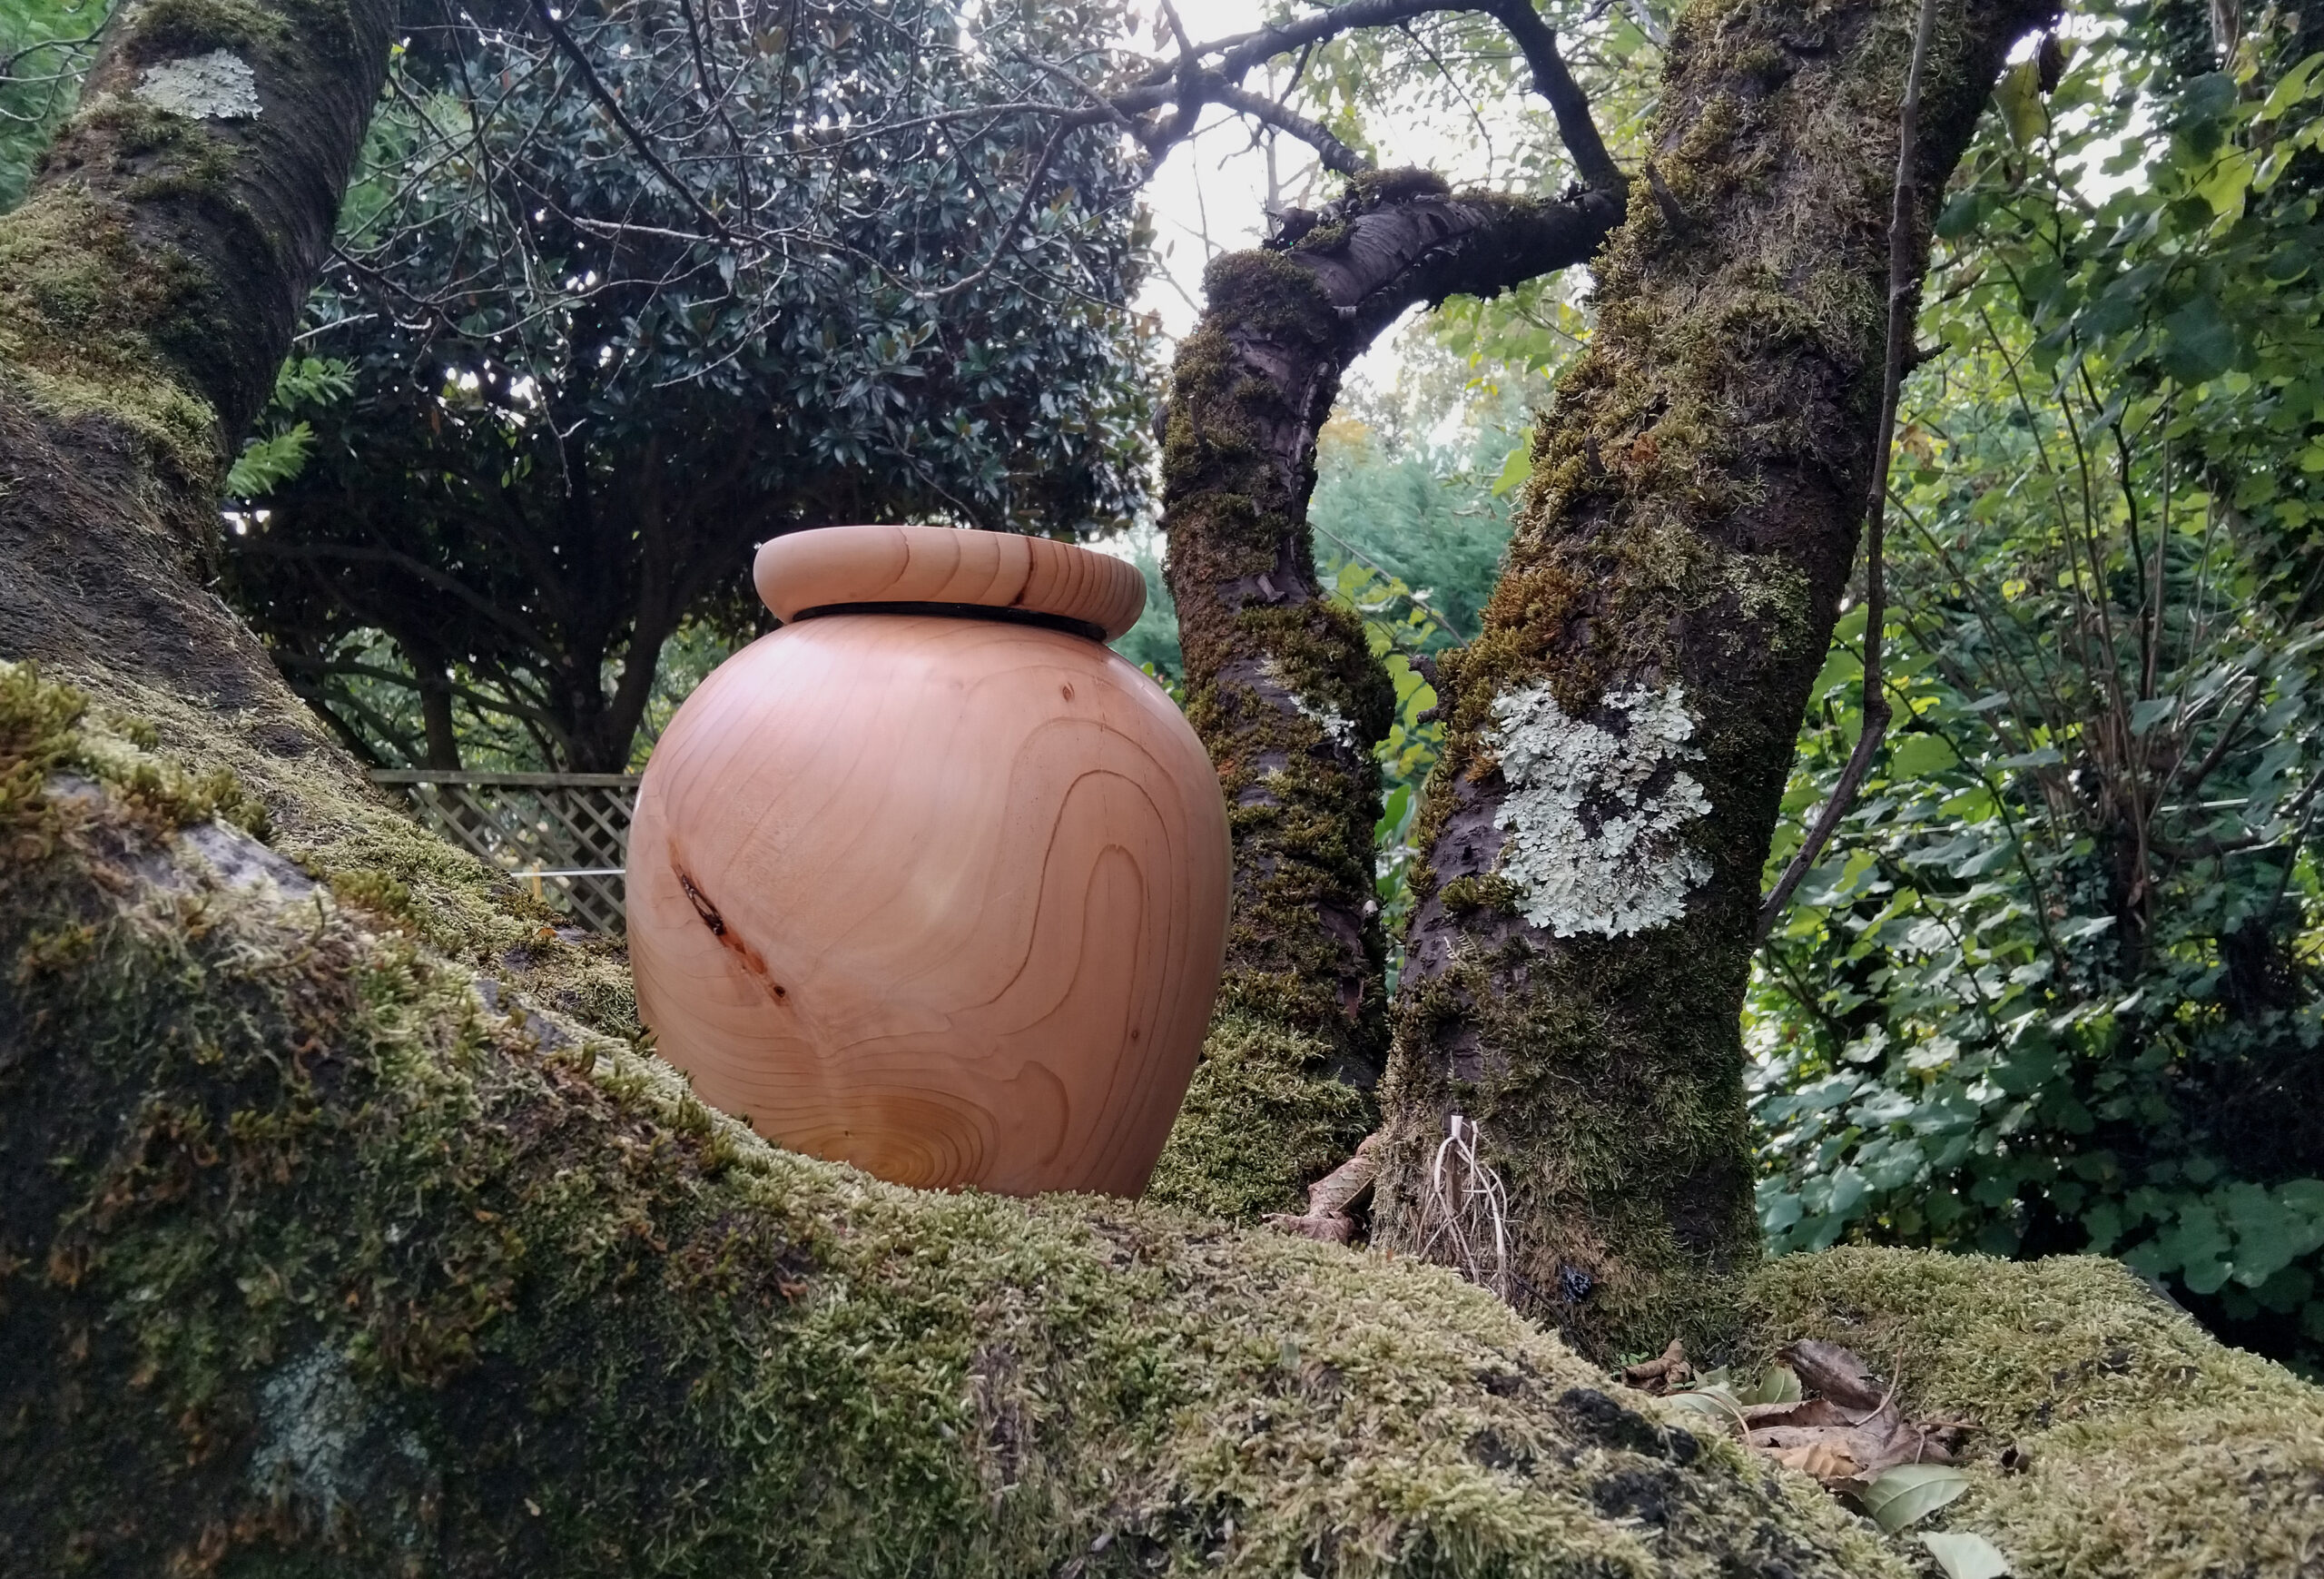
point(1826, 1463)
point(1851, 1430)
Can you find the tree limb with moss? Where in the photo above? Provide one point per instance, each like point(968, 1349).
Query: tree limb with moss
point(1617, 737)
point(1281, 683)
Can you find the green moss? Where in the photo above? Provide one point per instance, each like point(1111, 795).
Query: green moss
point(274, 775)
point(172, 29)
point(336, 1267)
point(78, 297)
point(1486, 892)
point(1263, 1121)
point(2147, 1448)
point(1371, 189)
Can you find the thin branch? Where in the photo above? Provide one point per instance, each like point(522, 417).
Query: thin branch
point(1335, 155)
point(612, 106)
point(1568, 103)
point(1904, 300)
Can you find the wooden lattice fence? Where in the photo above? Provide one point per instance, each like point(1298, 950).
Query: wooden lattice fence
point(567, 834)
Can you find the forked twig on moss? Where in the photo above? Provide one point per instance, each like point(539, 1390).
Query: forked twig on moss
point(1465, 1214)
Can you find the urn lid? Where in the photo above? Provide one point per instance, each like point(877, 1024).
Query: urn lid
point(832, 568)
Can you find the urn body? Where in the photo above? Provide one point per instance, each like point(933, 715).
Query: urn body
point(940, 895)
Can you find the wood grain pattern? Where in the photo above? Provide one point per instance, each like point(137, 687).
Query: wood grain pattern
point(840, 564)
point(945, 898)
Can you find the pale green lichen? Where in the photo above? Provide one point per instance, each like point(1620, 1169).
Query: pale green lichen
point(1337, 727)
point(1596, 814)
point(217, 87)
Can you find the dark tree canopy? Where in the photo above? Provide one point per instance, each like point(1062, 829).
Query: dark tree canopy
point(577, 402)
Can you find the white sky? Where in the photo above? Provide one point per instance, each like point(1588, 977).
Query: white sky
point(1210, 195)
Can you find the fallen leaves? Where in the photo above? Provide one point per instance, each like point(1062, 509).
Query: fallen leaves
point(1327, 1217)
point(1822, 1413)
point(1964, 1555)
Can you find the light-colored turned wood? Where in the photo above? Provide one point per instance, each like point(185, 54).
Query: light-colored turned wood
point(840, 565)
point(945, 898)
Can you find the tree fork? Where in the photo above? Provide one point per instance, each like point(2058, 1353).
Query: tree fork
point(1618, 736)
point(1281, 683)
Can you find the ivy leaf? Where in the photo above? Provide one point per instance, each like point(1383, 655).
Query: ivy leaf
point(1965, 1555)
point(2199, 343)
point(1911, 1491)
point(2019, 96)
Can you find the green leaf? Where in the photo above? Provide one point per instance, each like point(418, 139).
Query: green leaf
point(1776, 1384)
point(2295, 84)
point(1910, 1493)
point(1965, 1555)
point(2019, 96)
point(2199, 343)
point(1514, 471)
point(267, 463)
point(1960, 216)
point(1918, 755)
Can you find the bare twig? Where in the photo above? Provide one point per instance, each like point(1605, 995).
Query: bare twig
point(1904, 300)
point(612, 107)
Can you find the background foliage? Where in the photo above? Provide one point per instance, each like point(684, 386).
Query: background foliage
point(2055, 985)
point(547, 404)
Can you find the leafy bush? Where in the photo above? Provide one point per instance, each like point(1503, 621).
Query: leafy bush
point(2055, 984)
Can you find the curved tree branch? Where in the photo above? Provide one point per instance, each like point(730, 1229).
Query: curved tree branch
point(1281, 683)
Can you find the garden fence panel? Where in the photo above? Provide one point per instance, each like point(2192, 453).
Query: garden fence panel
point(564, 833)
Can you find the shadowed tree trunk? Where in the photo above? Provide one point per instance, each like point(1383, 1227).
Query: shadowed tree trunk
point(1618, 736)
point(1281, 684)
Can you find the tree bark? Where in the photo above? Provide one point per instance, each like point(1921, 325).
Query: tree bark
point(149, 285)
point(1618, 736)
point(1280, 682)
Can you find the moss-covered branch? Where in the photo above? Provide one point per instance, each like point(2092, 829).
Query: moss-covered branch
point(319, 1255)
point(315, 1257)
point(1281, 683)
point(1617, 737)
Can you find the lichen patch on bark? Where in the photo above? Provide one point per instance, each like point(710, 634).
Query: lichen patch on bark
point(1596, 814)
point(216, 86)
point(1337, 727)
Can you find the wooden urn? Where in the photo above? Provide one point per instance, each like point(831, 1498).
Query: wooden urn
point(929, 879)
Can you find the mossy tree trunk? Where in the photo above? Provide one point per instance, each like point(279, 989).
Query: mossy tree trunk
point(1281, 683)
point(1617, 737)
point(149, 285)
